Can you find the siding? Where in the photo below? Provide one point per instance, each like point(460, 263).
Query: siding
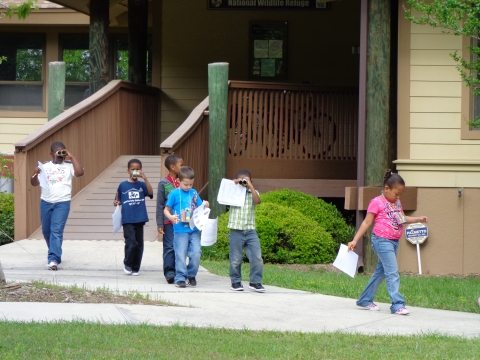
point(15, 129)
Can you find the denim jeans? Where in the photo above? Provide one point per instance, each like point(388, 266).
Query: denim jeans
point(133, 234)
point(387, 268)
point(168, 253)
point(186, 244)
point(54, 217)
point(248, 240)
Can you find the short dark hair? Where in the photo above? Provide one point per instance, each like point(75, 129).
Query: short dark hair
point(186, 172)
point(172, 160)
point(57, 145)
point(243, 172)
point(391, 179)
point(134, 161)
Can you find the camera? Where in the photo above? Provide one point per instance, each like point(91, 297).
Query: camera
point(135, 174)
point(243, 182)
point(61, 153)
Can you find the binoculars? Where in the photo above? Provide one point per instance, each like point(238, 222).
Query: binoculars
point(243, 182)
point(61, 153)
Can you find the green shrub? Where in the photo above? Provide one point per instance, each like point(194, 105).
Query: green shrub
point(315, 209)
point(6, 217)
point(286, 237)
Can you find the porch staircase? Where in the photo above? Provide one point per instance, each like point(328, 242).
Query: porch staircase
point(91, 210)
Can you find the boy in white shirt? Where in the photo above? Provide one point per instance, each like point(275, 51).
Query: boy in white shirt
point(55, 198)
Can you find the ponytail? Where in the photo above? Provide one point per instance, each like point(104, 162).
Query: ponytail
point(391, 179)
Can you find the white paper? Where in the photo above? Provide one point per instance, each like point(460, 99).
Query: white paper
point(199, 217)
point(117, 219)
point(42, 177)
point(346, 261)
point(209, 232)
point(231, 194)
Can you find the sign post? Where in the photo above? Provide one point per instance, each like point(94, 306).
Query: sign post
point(416, 234)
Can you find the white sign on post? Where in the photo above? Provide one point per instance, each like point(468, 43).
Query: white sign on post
point(416, 234)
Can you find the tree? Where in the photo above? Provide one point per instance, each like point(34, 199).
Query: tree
point(457, 17)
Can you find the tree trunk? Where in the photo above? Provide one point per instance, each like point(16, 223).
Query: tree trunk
point(2, 275)
point(137, 41)
point(99, 19)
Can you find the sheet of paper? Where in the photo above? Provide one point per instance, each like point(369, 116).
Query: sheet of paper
point(117, 219)
point(231, 193)
point(346, 261)
point(42, 177)
point(209, 232)
point(199, 217)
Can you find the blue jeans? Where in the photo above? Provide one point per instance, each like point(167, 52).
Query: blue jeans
point(168, 252)
point(133, 235)
point(248, 240)
point(186, 244)
point(54, 217)
point(387, 268)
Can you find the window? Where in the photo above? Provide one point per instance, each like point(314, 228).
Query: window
point(21, 74)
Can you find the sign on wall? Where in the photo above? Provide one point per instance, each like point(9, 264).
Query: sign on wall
point(305, 5)
point(268, 50)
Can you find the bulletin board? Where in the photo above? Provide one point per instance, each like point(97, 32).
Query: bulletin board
point(268, 50)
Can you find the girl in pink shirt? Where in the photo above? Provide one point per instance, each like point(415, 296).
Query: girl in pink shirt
point(386, 211)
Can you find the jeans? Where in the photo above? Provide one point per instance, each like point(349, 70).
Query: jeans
point(186, 244)
point(248, 240)
point(133, 234)
point(54, 217)
point(387, 268)
point(168, 253)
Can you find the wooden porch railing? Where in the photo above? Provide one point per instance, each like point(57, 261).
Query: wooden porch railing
point(117, 120)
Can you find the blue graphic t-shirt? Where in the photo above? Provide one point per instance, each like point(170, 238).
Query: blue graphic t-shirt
point(132, 196)
point(183, 203)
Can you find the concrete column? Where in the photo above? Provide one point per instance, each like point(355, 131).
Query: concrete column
point(56, 88)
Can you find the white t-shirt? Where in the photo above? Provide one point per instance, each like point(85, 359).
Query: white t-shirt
point(59, 179)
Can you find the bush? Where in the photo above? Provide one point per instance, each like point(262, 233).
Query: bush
point(315, 209)
point(6, 217)
point(286, 237)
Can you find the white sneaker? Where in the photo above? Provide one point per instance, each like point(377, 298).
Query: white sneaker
point(127, 270)
point(402, 311)
point(53, 266)
point(372, 307)
point(134, 273)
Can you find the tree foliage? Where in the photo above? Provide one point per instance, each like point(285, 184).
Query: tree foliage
point(456, 17)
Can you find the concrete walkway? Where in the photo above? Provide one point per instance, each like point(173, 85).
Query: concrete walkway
point(95, 264)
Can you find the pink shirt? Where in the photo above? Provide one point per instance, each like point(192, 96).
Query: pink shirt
point(388, 218)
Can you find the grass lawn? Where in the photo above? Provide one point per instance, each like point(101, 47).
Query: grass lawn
point(446, 293)
point(80, 340)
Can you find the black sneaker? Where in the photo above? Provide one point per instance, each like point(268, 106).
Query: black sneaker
point(237, 286)
point(192, 282)
point(127, 270)
point(170, 278)
point(257, 287)
point(181, 284)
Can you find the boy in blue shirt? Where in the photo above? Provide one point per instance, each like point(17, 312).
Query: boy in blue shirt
point(131, 195)
point(182, 202)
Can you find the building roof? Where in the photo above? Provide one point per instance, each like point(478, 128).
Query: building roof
point(42, 4)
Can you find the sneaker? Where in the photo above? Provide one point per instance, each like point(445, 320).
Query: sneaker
point(127, 270)
point(181, 284)
point(170, 278)
point(134, 273)
point(478, 301)
point(372, 306)
point(53, 266)
point(192, 282)
point(257, 287)
point(402, 311)
point(237, 286)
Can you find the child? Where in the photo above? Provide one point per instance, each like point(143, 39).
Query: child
point(55, 201)
point(165, 227)
point(182, 202)
point(131, 195)
point(386, 212)
point(243, 235)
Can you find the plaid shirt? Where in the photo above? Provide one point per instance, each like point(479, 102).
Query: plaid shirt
point(243, 217)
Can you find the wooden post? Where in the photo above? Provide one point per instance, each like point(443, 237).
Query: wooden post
point(56, 88)
point(380, 131)
point(217, 132)
point(99, 56)
point(137, 41)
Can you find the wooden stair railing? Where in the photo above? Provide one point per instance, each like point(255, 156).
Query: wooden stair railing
point(117, 120)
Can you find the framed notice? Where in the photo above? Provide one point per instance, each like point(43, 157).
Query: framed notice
point(268, 50)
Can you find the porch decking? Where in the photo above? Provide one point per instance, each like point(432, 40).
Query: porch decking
point(91, 209)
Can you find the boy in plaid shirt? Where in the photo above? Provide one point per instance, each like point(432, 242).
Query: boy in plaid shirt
point(243, 235)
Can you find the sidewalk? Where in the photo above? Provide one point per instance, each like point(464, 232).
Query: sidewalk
point(95, 264)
